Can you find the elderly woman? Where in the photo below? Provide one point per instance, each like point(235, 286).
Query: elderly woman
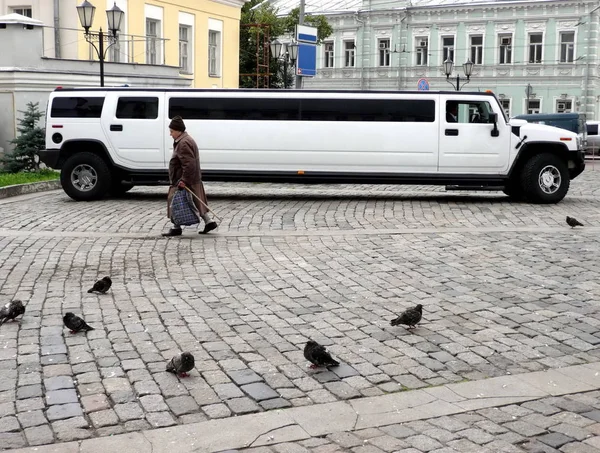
point(184, 171)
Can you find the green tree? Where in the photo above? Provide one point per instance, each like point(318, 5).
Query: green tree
point(30, 140)
point(252, 38)
point(324, 30)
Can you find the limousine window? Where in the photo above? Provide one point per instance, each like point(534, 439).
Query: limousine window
point(468, 112)
point(77, 107)
point(392, 110)
point(144, 108)
point(266, 109)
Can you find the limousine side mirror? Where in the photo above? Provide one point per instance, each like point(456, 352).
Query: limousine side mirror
point(494, 119)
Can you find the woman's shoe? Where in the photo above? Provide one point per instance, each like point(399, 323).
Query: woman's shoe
point(172, 232)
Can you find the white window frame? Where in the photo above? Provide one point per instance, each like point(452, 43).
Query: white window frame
point(421, 52)
point(22, 9)
point(184, 49)
point(539, 47)
point(478, 49)
point(215, 53)
point(538, 110)
point(187, 21)
point(384, 55)
point(349, 53)
point(447, 50)
point(505, 49)
point(329, 54)
point(508, 109)
point(567, 100)
point(154, 13)
point(560, 46)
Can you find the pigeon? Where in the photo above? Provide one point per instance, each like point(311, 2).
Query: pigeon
point(410, 317)
point(11, 310)
point(317, 355)
point(181, 364)
point(573, 222)
point(75, 323)
point(101, 286)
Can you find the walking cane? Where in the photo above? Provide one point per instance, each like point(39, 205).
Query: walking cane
point(203, 204)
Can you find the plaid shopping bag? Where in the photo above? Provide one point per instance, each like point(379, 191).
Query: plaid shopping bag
point(183, 210)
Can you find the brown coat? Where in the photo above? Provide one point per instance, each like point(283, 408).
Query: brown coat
point(185, 166)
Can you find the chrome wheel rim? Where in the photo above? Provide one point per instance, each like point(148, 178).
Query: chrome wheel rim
point(550, 179)
point(84, 177)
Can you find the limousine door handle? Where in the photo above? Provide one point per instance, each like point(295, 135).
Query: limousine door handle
point(452, 132)
point(116, 127)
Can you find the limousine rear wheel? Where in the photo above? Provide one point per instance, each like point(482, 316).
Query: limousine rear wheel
point(545, 178)
point(85, 177)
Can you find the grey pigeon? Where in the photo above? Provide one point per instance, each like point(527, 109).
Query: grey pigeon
point(101, 286)
point(181, 364)
point(411, 317)
point(573, 222)
point(318, 355)
point(75, 323)
point(11, 310)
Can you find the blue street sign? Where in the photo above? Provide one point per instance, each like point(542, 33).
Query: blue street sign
point(423, 85)
point(307, 51)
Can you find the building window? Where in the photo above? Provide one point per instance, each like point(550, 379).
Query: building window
point(505, 49)
point(329, 55)
point(349, 54)
point(214, 53)
point(384, 51)
point(22, 10)
point(505, 103)
point(564, 106)
point(533, 106)
point(448, 48)
point(152, 41)
point(477, 49)
point(185, 35)
point(422, 47)
point(567, 47)
point(535, 48)
point(115, 50)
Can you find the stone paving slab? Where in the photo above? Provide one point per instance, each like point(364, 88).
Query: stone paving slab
point(324, 420)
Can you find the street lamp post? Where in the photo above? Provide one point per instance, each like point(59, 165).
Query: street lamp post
point(467, 68)
point(288, 52)
point(114, 16)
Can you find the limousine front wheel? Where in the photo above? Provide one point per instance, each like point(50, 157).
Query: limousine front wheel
point(545, 179)
point(85, 177)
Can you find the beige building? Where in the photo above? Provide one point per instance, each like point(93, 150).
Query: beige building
point(201, 37)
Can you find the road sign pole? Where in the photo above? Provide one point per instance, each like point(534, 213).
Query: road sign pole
point(300, 22)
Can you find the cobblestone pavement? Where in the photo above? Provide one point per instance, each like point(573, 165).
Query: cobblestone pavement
point(506, 287)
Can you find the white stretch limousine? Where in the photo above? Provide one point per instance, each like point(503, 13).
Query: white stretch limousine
point(108, 140)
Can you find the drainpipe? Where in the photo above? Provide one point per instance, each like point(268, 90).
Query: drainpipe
point(399, 44)
point(587, 59)
point(362, 38)
point(56, 30)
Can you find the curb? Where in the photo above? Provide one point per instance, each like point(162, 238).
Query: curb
point(22, 189)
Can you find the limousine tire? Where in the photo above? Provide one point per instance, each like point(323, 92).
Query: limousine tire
point(545, 179)
point(85, 177)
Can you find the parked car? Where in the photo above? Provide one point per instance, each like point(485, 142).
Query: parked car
point(593, 138)
point(107, 140)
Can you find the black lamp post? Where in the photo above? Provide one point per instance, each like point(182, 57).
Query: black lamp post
point(115, 16)
point(288, 52)
point(467, 67)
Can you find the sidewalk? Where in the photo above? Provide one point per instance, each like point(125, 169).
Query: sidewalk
point(509, 413)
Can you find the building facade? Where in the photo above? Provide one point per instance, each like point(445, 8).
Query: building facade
point(536, 55)
point(201, 37)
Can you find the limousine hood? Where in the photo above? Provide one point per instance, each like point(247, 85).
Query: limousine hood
point(544, 133)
